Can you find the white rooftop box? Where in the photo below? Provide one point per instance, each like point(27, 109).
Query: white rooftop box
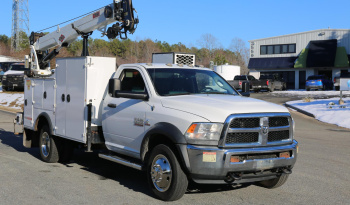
point(174, 58)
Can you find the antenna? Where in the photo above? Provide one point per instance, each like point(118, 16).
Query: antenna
point(20, 24)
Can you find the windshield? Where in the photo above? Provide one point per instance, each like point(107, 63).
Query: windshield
point(18, 68)
point(170, 82)
point(250, 77)
point(238, 77)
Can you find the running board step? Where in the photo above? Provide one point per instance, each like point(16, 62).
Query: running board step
point(122, 161)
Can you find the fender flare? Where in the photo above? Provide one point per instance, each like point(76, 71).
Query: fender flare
point(48, 119)
point(172, 134)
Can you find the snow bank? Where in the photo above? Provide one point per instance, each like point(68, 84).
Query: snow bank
point(327, 110)
point(11, 100)
point(314, 94)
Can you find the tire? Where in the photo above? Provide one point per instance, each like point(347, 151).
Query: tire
point(47, 146)
point(324, 87)
point(337, 88)
point(272, 88)
point(170, 185)
point(307, 89)
point(4, 89)
point(274, 183)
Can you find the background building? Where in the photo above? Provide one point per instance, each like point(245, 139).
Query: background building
point(296, 56)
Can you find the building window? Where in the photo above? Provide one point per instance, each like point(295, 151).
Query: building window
point(269, 49)
point(277, 49)
point(291, 48)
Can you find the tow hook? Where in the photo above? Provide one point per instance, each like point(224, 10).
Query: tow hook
point(231, 177)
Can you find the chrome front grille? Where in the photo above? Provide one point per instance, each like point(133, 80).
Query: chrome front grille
point(278, 121)
point(250, 130)
point(245, 137)
point(245, 123)
point(275, 136)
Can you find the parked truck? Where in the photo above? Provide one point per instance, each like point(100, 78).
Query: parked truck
point(178, 123)
point(270, 83)
point(13, 79)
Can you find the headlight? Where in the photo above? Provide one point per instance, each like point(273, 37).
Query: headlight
point(204, 133)
point(4, 77)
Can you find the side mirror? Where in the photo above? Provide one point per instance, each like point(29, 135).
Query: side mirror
point(113, 86)
point(245, 89)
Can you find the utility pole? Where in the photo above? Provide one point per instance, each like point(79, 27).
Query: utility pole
point(20, 24)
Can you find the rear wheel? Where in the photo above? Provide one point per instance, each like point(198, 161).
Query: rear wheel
point(307, 89)
point(47, 145)
point(272, 88)
point(164, 174)
point(274, 183)
point(4, 88)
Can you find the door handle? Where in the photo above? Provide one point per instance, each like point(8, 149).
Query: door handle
point(112, 105)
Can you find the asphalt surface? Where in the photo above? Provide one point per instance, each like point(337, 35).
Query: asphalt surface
point(321, 174)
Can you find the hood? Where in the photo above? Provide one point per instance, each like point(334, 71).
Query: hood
point(216, 108)
point(14, 72)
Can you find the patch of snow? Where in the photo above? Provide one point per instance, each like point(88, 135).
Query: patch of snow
point(11, 100)
point(327, 110)
point(315, 94)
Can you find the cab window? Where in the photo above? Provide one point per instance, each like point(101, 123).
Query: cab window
point(132, 81)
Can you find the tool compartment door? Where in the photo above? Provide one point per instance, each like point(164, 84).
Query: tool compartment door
point(28, 105)
point(75, 99)
point(70, 99)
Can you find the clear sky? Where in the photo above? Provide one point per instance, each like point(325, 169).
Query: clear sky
point(186, 21)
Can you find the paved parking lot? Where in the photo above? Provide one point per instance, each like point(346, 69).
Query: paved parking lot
point(321, 175)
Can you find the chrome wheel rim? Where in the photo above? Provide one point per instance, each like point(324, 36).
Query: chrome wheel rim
point(45, 144)
point(161, 173)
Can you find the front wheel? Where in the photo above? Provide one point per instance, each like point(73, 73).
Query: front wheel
point(274, 183)
point(164, 174)
point(47, 145)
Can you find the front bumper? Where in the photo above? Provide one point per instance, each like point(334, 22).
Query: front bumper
point(213, 165)
point(13, 84)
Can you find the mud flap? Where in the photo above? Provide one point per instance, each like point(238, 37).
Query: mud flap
point(26, 142)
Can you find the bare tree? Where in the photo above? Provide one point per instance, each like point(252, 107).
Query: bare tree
point(209, 42)
point(239, 47)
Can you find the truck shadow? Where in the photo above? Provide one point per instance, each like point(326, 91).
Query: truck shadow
point(106, 170)
point(9, 139)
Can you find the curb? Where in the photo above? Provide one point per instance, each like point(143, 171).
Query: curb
point(9, 110)
point(300, 110)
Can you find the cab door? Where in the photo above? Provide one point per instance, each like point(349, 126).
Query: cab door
point(124, 118)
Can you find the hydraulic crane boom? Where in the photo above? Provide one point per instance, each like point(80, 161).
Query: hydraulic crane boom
point(120, 11)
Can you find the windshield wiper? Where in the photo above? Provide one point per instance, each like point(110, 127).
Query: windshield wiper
point(184, 93)
point(215, 93)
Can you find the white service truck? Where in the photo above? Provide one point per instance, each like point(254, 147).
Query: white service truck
point(178, 123)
